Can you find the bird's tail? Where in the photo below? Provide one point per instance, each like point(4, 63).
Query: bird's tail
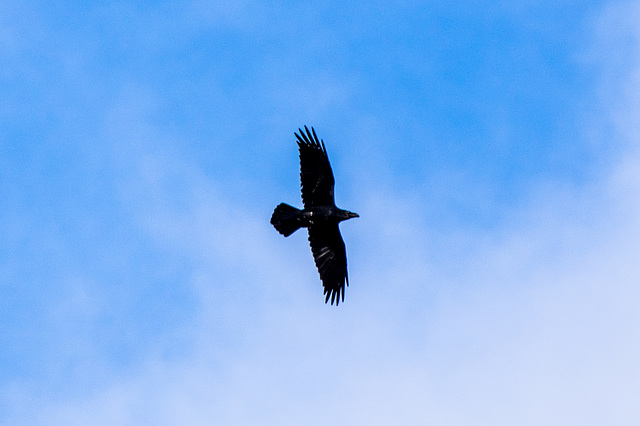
point(286, 219)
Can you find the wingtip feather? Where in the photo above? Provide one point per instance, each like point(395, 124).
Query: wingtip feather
point(309, 138)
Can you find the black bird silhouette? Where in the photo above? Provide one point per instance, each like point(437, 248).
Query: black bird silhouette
point(320, 215)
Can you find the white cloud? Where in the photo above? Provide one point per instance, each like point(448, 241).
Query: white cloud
point(538, 328)
point(534, 323)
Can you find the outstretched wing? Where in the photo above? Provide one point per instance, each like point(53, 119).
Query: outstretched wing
point(316, 177)
point(331, 259)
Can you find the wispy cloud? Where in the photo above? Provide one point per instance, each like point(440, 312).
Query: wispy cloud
point(527, 321)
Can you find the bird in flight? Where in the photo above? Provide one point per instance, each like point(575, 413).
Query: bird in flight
point(320, 215)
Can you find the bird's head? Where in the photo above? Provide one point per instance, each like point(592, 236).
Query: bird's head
point(345, 214)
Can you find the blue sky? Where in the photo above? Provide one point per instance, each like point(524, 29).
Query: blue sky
point(490, 148)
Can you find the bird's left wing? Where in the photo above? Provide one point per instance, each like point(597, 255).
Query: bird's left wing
point(316, 177)
point(330, 256)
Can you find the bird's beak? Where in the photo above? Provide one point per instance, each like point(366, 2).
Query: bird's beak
point(352, 214)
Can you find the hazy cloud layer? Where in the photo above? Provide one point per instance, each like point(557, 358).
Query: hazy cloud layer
point(192, 310)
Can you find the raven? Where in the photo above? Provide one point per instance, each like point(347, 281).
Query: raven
point(320, 215)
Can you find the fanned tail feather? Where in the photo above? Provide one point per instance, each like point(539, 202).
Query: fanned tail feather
point(286, 219)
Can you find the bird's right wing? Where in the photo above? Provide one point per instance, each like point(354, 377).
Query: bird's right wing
point(330, 256)
point(316, 177)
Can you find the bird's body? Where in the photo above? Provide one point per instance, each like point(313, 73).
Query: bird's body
point(320, 216)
